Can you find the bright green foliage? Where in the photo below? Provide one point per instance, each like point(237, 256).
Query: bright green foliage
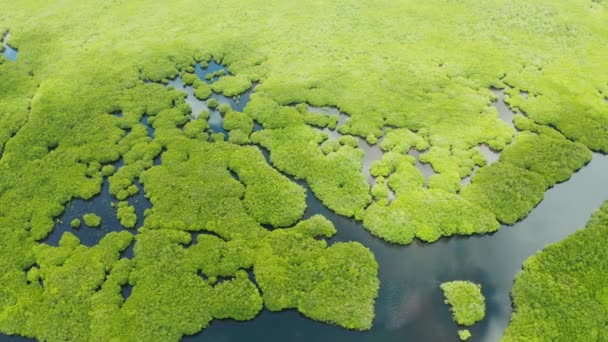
point(202, 91)
point(240, 126)
point(536, 160)
point(190, 79)
point(349, 140)
point(562, 292)
point(553, 157)
point(272, 115)
point(169, 298)
point(329, 146)
point(447, 181)
point(380, 190)
point(92, 220)
point(269, 196)
point(212, 103)
point(453, 160)
point(464, 334)
point(126, 214)
point(427, 215)
point(508, 191)
point(75, 68)
point(224, 108)
point(238, 137)
point(394, 162)
point(418, 212)
point(290, 265)
point(320, 119)
point(237, 120)
point(195, 129)
point(335, 178)
point(70, 274)
point(450, 166)
point(466, 300)
point(193, 190)
point(231, 85)
point(108, 170)
point(335, 284)
point(217, 73)
point(401, 140)
point(75, 223)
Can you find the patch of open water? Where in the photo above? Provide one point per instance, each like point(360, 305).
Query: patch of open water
point(8, 52)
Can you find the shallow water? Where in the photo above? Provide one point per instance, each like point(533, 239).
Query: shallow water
point(8, 51)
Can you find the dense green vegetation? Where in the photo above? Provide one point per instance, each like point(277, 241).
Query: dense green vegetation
point(75, 223)
point(428, 87)
point(467, 303)
point(464, 334)
point(126, 214)
point(92, 220)
point(561, 294)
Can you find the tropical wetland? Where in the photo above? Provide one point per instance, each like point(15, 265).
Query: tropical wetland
point(234, 176)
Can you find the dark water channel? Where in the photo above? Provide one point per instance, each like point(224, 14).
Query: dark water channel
point(410, 304)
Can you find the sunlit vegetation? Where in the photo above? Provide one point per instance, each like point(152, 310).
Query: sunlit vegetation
point(89, 76)
point(401, 140)
point(126, 214)
point(239, 125)
point(202, 90)
point(92, 220)
point(419, 212)
point(335, 178)
point(295, 271)
point(562, 293)
point(464, 334)
point(507, 190)
point(466, 301)
point(536, 160)
point(545, 151)
point(108, 170)
point(75, 223)
point(212, 103)
point(231, 85)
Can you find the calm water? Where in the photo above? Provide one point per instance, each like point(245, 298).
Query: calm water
point(410, 304)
